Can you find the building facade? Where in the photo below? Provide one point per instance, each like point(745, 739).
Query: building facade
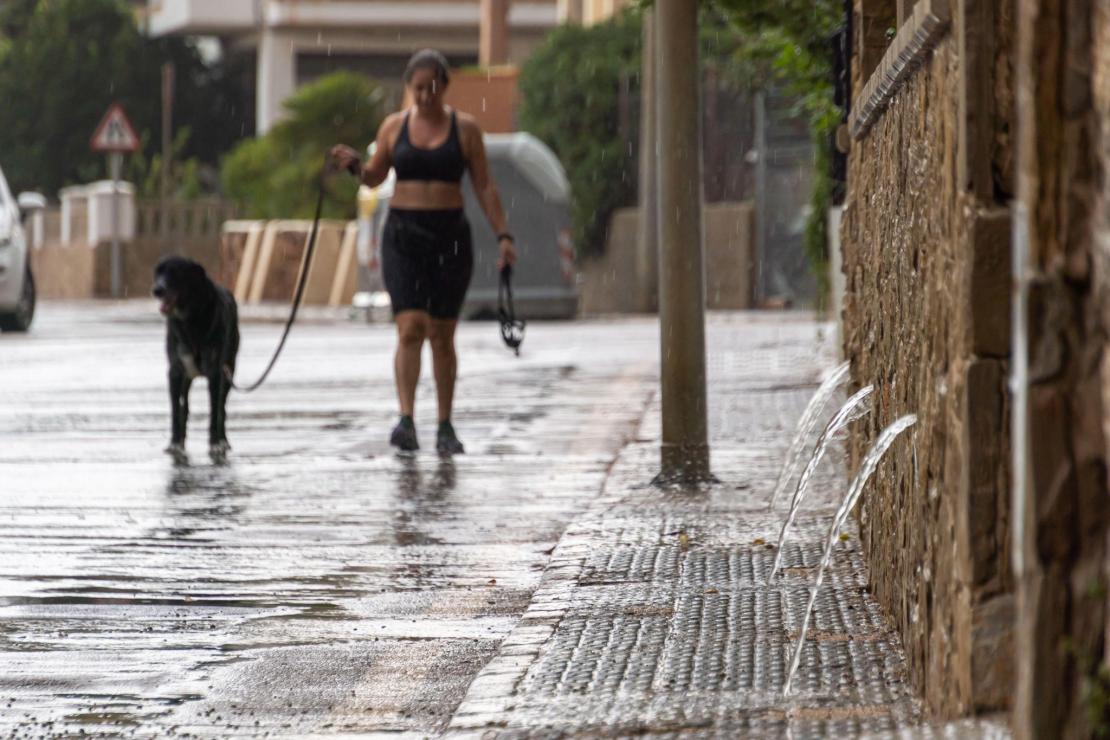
point(291, 42)
point(588, 12)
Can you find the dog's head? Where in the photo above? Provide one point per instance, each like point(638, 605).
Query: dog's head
point(177, 283)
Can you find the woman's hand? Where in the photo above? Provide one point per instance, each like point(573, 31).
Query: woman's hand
point(345, 158)
point(508, 253)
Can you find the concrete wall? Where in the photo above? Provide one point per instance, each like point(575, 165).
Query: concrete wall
point(63, 272)
point(67, 266)
point(66, 271)
point(261, 261)
point(925, 238)
point(488, 95)
point(77, 271)
point(609, 282)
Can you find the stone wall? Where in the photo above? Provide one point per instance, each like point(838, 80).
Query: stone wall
point(1063, 122)
point(926, 320)
point(1015, 100)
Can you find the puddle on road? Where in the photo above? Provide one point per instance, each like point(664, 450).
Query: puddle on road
point(215, 567)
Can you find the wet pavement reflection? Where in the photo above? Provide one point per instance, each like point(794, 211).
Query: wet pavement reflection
point(421, 501)
point(314, 582)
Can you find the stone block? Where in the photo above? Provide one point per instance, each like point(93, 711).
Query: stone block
point(992, 654)
point(989, 292)
point(277, 268)
point(984, 487)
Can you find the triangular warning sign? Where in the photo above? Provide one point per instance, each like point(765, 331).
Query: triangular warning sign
point(114, 134)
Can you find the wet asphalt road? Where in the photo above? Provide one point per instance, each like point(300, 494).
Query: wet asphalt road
point(315, 583)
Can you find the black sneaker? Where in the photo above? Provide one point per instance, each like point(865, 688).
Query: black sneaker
point(404, 435)
point(446, 441)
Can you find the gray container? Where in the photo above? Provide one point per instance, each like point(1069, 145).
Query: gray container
point(536, 196)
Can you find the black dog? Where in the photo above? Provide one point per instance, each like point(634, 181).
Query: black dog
point(202, 338)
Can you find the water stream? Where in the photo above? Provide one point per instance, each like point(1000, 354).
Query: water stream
point(870, 462)
point(806, 425)
point(850, 411)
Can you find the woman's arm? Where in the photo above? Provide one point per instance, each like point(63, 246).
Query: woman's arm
point(475, 150)
point(376, 169)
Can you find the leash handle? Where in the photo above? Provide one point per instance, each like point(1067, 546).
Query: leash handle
point(505, 288)
point(298, 294)
point(512, 329)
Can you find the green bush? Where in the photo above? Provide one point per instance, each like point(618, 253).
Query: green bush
point(570, 91)
point(793, 35)
point(276, 175)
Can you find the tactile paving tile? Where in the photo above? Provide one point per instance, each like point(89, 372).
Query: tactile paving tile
point(726, 623)
point(600, 655)
point(654, 553)
point(631, 564)
point(694, 641)
point(751, 565)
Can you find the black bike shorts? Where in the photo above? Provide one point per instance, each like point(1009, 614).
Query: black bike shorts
point(427, 260)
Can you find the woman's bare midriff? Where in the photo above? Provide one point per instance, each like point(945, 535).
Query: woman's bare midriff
point(426, 195)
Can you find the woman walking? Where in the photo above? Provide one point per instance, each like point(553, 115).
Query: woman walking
point(427, 256)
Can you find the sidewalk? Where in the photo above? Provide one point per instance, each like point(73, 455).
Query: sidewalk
point(655, 616)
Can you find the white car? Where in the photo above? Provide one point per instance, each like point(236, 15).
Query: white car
point(17, 285)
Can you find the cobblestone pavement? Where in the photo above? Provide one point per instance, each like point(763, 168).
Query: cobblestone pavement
point(317, 584)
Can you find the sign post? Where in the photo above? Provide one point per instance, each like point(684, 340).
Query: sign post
point(167, 155)
point(115, 136)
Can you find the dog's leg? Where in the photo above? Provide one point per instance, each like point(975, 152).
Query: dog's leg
point(218, 388)
point(179, 407)
point(226, 376)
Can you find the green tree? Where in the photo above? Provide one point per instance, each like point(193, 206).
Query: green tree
point(69, 60)
point(276, 175)
point(187, 174)
point(570, 98)
point(570, 91)
point(794, 36)
point(14, 16)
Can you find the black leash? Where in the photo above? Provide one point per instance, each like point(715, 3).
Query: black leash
point(298, 294)
point(512, 328)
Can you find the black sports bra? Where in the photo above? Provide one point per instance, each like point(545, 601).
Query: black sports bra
point(445, 163)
